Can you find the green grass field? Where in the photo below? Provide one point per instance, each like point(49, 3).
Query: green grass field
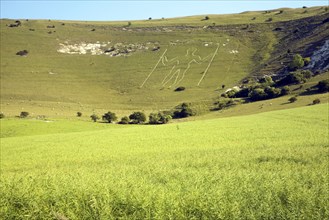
point(270, 165)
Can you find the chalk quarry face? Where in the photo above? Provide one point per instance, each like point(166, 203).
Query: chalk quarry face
point(105, 48)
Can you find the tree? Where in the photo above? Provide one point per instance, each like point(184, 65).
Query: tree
point(323, 85)
point(124, 120)
point(257, 94)
point(292, 99)
point(94, 117)
point(137, 117)
point(266, 81)
point(285, 90)
point(316, 101)
point(154, 118)
point(110, 117)
point(307, 74)
point(79, 114)
point(159, 118)
point(297, 62)
point(24, 114)
point(272, 92)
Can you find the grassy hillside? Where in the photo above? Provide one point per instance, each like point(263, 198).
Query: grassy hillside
point(267, 166)
point(198, 55)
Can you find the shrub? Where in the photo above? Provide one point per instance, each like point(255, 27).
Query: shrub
point(292, 99)
point(79, 114)
point(269, 20)
point(181, 88)
point(323, 85)
point(257, 94)
point(297, 62)
point(231, 93)
point(293, 78)
point(272, 92)
point(266, 81)
point(285, 90)
point(129, 23)
point(124, 120)
point(316, 101)
point(110, 117)
point(159, 118)
point(137, 117)
point(94, 117)
point(206, 18)
point(307, 74)
point(184, 110)
point(150, 18)
point(24, 114)
point(242, 93)
point(2, 115)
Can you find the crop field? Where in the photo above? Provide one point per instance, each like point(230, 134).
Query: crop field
point(271, 165)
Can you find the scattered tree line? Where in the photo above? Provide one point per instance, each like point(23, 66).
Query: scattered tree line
point(181, 111)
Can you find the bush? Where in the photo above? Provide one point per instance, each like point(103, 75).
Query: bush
point(2, 115)
point(292, 99)
point(137, 117)
point(124, 120)
point(24, 114)
point(110, 117)
point(181, 88)
point(257, 94)
point(231, 93)
point(159, 118)
point(293, 78)
point(94, 117)
point(269, 20)
point(307, 74)
point(316, 101)
point(323, 85)
point(206, 18)
point(297, 62)
point(184, 110)
point(285, 90)
point(79, 114)
point(242, 93)
point(272, 92)
point(266, 81)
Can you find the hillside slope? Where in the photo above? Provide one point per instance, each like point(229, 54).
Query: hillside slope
point(96, 66)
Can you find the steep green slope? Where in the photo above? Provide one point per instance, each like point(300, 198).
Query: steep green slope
point(195, 55)
point(267, 166)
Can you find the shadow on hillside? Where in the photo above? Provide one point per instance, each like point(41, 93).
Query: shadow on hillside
point(309, 92)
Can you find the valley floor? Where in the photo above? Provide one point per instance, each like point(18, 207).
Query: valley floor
point(272, 165)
